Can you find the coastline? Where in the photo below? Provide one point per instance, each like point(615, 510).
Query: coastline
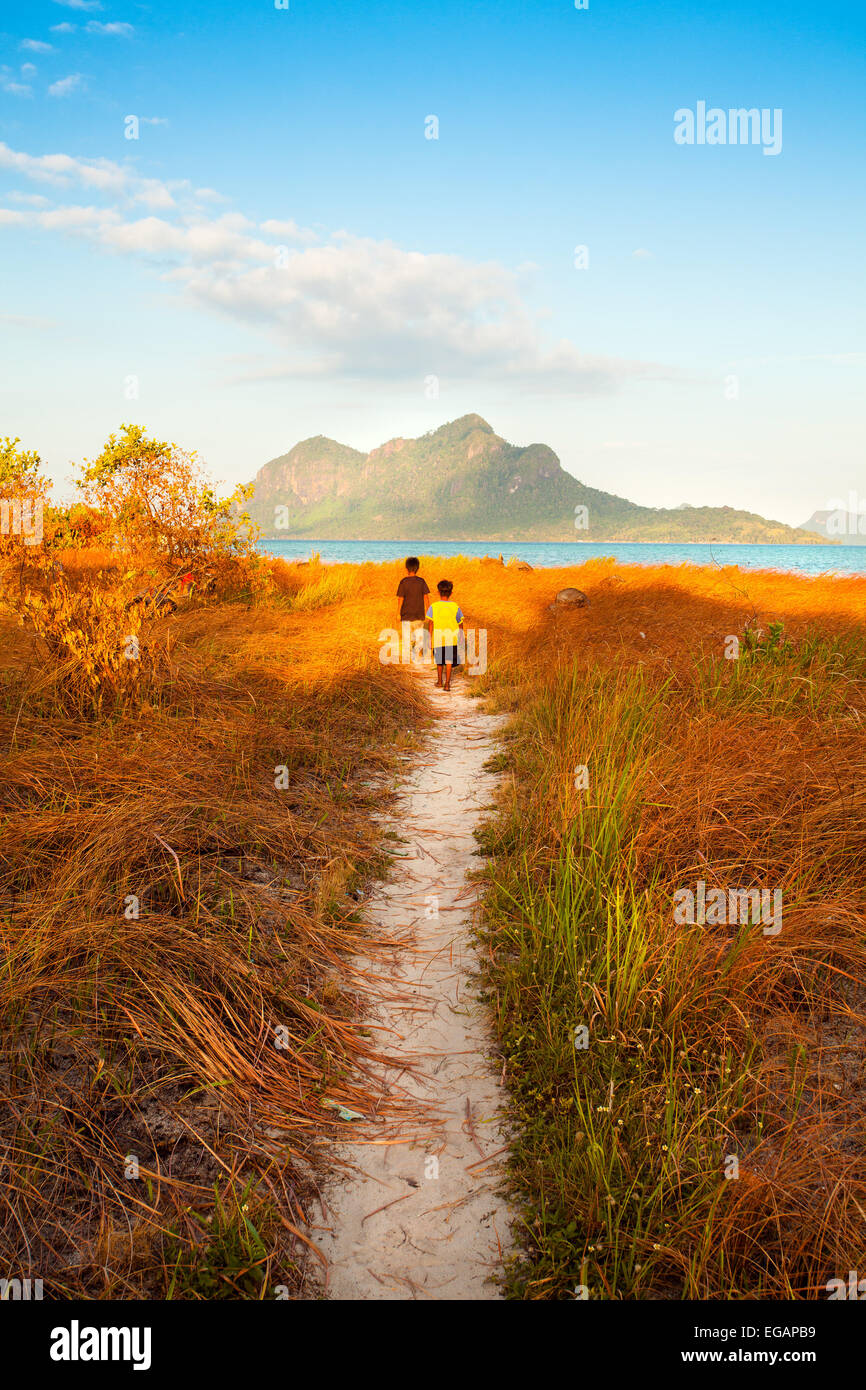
point(810, 559)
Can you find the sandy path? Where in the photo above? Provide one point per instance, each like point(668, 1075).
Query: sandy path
point(444, 1229)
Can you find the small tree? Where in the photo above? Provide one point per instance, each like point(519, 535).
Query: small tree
point(23, 495)
point(75, 526)
point(20, 468)
point(158, 501)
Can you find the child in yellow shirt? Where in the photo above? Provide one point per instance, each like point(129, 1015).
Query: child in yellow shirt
point(445, 623)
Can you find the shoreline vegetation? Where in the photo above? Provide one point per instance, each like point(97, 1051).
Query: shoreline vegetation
point(188, 826)
point(688, 1098)
point(180, 880)
point(518, 538)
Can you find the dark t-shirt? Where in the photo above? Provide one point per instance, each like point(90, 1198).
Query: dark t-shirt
point(412, 590)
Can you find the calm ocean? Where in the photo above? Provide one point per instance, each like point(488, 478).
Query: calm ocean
point(803, 559)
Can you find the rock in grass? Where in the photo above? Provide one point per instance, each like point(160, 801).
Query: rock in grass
point(569, 598)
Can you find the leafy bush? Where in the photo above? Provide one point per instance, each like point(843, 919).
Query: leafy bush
point(101, 647)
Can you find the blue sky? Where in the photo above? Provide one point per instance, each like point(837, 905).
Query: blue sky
point(283, 253)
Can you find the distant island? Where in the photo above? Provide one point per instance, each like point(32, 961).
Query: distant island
point(839, 527)
point(463, 482)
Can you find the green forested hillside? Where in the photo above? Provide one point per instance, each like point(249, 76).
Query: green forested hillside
point(463, 482)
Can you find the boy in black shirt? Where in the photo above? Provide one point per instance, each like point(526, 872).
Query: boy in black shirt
point(412, 594)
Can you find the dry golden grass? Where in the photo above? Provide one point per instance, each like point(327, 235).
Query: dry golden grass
point(707, 1042)
point(155, 1036)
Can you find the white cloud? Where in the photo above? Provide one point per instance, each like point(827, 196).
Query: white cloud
point(65, 85)
point(36, 46)
point(348, 305)
point(366, 308)
point(64, 168)
point(150, 236)
point(221, 243)
point(102, 175)
point(154, 194)
point(64, 28)
point(79, 4)
point(28, 69)
point(67, 219)
point(642, 255)
point(31, 200)
point(288, 231)
point(123, 31)
point(75, 218)
point(9, 85)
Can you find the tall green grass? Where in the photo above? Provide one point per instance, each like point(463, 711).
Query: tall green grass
point(626, 1130)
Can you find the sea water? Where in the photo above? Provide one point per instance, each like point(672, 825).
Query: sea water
point(799, 559)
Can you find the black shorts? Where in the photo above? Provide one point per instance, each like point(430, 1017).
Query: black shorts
point(446, 656)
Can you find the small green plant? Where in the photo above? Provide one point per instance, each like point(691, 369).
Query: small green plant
point(232, 1259)
point(770, 646)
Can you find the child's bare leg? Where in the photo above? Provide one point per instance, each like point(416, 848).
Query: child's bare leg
point(447, 675)
point(439, 671)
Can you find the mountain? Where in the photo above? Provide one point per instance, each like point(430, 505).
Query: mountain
point(847, 527)
point(463, 482)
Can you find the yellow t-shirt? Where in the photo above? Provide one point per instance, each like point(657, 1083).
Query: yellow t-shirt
point(447, 617)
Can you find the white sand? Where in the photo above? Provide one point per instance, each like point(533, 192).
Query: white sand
point(447, 1231)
